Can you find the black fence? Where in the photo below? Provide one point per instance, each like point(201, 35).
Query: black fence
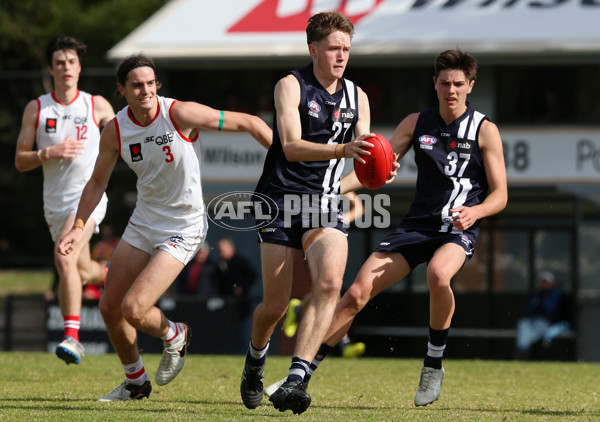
point(392, 325)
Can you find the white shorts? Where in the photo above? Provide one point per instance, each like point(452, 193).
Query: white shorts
point(182, 245)
point(56, 220)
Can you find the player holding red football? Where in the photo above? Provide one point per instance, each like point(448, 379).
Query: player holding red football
point(378, 166)
point(461, 179)
point(317, 114)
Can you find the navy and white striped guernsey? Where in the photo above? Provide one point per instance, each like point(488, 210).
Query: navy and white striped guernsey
point(450, 170)
point(326, 119)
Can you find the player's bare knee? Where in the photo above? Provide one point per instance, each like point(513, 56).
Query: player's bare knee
point(355, 299)
point(63, 263)
point(269, 313)
point(439, 276)
point(438, 285)
point(85, 276)
point(108, 311)
point(133, 312)
point(330, 288)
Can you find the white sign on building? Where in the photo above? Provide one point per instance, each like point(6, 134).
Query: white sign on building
point(532, 158)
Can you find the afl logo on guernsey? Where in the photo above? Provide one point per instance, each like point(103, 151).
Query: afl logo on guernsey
point(313, 108)
point(427, 141)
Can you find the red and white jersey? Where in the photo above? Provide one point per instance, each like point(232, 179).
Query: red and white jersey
point(167, 165)
point(65, 179)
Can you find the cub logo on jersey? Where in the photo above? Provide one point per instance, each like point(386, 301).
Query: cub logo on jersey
point(51, 125)
point(136, 152)
point(427, 141)
point(460, 145)
point(313, 108)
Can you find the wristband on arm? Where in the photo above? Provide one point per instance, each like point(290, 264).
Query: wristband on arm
point(79, 224)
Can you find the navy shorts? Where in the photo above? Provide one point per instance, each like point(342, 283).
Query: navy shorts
point(419, 246)
point(289, 236)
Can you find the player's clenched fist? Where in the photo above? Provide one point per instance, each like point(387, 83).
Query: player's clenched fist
point(67, 243)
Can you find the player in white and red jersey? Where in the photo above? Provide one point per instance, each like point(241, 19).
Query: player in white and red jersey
point(159, 139)
point(65, 127)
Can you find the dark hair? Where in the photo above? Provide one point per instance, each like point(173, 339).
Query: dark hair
point(133, 62)
point(323, 24)
point(456, 60)
point(65, 42)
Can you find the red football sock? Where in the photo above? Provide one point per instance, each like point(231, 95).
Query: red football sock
point(72, 324)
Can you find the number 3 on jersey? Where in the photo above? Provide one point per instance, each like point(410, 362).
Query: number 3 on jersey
point(167, 151)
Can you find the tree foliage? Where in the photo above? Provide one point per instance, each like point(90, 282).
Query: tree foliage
point(26, 26)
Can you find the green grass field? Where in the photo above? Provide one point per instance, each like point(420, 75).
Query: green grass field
point(25, 281)
point(40, 387)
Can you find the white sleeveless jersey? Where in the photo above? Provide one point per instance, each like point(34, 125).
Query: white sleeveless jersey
point(167, 165)
point(65, 179)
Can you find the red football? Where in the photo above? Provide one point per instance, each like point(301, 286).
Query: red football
point(378, 165)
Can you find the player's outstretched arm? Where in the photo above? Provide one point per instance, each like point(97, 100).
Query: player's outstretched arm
point(242, 122)
point(191, 116)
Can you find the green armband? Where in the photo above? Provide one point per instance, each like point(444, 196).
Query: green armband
point(220, 128)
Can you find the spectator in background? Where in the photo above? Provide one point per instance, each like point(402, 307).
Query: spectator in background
point(236, 276)
point(60, 132)
point(543, 315)
point(199, 276)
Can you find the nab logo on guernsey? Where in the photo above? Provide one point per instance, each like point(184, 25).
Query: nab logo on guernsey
point(427, 141)
point(344, 115)
point(51, 125)
point(460, 144)
point(136, 152)
point(242, 210)
point(292, 15)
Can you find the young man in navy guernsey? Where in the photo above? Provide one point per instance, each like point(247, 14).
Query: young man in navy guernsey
point(317, 114)
point(461, 179)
